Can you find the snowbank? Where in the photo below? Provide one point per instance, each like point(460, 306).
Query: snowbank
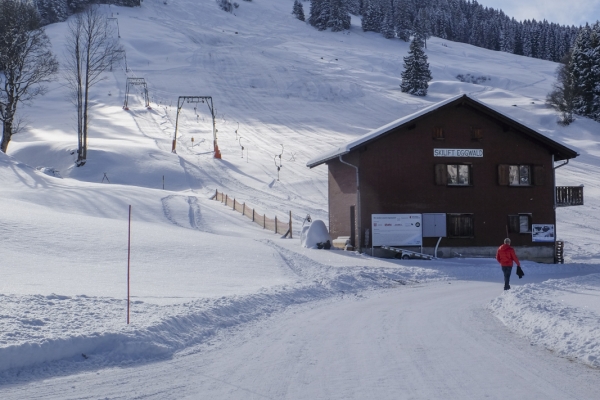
point(560, 314)
point(313, 234)
point(40, 329)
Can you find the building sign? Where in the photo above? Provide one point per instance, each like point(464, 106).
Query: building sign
point(542, 232)
point(458, 152)
point(397, 229)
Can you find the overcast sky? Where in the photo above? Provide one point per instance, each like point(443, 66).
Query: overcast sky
point(564, 12)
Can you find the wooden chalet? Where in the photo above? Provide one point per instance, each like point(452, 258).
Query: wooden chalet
point(473, 174)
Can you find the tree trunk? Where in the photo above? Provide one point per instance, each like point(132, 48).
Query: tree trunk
point(85, 115)
point(6, 134)
point(80, 155)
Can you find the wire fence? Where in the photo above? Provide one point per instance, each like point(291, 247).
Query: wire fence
point(275, 225)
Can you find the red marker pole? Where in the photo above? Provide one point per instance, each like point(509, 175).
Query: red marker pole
point(128, 261)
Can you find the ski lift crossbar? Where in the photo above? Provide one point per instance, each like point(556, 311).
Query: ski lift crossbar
point(181, 100)
point(136, 82)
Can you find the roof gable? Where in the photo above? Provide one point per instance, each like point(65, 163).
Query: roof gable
point(560, 151)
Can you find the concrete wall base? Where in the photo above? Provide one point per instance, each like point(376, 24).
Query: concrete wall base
point(541, 254)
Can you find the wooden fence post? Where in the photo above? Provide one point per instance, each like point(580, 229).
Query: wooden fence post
point(265, 221)
point(276, 224)
point(290, 228)
point(244, 208)
point(253, 215)
point(225, 199)
point(216, 194)
point(234, 204)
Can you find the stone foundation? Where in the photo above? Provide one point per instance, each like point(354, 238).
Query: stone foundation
point(541, 254)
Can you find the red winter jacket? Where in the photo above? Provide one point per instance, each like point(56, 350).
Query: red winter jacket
point(506, 255)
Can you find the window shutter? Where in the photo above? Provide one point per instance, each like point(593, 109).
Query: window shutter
point(467, 225)
point(452, 229)
point(460, 225)
point(441, 174)
point(513, 223)
point(539, 175)
point(503, 174)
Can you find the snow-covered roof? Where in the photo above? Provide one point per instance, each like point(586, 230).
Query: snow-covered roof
point(561, 151)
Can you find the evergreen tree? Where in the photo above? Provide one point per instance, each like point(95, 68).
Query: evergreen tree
point(387, 24)
point(422, 26)
point(339, 16)
point(577, 90)
point(79, 5)
point(526, 40)
point(370, 19)
point(362, 6)
point(52, 10)
point(416, 74)
point(298, 10)
point(464, 21)
point(319, 14)
point(518, 41)
point(402, 21)
point(582, 70)
point(354, 6)
point(595, 55)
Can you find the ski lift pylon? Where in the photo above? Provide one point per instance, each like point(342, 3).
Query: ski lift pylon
point(137, 82)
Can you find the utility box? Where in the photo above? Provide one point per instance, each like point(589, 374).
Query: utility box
point(434, 225)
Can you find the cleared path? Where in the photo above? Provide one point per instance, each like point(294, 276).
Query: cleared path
point(431, 342)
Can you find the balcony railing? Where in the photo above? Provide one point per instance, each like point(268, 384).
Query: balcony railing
point(569, 196)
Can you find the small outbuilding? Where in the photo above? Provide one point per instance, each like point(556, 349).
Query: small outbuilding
point(453, 179)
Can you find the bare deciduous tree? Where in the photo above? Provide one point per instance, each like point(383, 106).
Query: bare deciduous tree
point(26, 61)
point(92, 47)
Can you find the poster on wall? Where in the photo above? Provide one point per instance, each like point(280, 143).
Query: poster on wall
point(542, 232)
point(397, 229)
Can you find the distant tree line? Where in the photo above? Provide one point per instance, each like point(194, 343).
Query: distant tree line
point(52, 11)
point(456, 20)
point(577, 89)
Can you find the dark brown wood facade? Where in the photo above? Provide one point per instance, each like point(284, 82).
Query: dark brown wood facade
point(399, 174)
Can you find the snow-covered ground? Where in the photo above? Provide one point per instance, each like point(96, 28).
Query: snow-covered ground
point(216, 300)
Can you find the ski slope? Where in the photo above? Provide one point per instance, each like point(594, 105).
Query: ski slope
point(222, 308)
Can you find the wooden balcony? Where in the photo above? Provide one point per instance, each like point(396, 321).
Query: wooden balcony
point(569, 196)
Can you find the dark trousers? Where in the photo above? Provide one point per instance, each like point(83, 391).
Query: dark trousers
point(506, 271)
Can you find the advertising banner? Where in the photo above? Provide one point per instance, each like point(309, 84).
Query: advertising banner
point(542, 232)
point(397, 229)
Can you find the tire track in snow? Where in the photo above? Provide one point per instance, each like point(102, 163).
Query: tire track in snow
point(184, 211)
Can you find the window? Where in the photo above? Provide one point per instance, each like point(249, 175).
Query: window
point(521, 175)
point(520, 223)
point(459, 174)
point(460, 225)
point(453, 174)
point(476, 134)
point(438, 133)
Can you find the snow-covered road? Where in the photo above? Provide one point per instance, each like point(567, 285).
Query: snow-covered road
point(432, 341)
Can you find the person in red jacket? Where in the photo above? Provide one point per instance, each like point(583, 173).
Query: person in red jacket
point(505, 256)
